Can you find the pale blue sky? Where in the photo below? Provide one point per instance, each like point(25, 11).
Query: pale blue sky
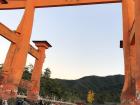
point(85, 39)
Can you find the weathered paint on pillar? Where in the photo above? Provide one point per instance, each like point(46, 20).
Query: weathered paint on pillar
point(8, 61)
point(4, 89)
point(126, 52)
point(137, 40)
point(128, 92)
point(133, 69)
point(33, 92)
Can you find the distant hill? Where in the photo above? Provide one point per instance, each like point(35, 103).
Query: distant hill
point(106, 88)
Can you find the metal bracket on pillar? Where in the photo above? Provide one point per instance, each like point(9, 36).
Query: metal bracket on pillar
point(121, 43)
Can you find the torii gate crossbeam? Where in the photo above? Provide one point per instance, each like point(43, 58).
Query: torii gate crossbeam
point(20, 4)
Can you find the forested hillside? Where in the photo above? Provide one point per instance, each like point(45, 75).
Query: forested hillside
point(106, 89)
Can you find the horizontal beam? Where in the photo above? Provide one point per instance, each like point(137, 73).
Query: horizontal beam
point(8, 34)
point(20, 4)
point(33, 52)
point(14, 38)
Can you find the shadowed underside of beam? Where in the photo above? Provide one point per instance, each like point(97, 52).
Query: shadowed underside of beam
point(20, 4)
point(3, 1)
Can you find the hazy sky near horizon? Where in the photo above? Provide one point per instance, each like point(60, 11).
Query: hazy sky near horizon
point(85, 39)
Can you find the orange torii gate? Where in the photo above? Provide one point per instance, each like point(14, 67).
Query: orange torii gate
point(38, 54)
point(131, 40)
point(11, 77)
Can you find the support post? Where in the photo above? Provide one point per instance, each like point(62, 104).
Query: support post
point(8, 62)
point(128, 92)
point(33, 92)
point(137, 39)
point(20, 54)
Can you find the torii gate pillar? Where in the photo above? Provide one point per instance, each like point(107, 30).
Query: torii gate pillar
point(16, 66)
point(137, 40)
point(33, 92)
point(131, 38)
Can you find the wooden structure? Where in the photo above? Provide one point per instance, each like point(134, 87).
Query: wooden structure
point(131, 42)
point(11, 77)
point(8, 89)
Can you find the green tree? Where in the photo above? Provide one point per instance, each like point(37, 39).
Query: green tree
point(26, 74)
point(47, 73)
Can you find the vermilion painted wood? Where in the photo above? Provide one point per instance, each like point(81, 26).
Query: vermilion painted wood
point(137, 41)
point(33, 92)
point(131, 45)
point(129, 90)
point(20, 4)
point(20, 54)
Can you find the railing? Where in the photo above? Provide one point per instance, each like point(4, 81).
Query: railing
point(49, 100)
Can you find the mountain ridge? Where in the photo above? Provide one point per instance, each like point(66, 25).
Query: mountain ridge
point(89, 76)
point(108, 86)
